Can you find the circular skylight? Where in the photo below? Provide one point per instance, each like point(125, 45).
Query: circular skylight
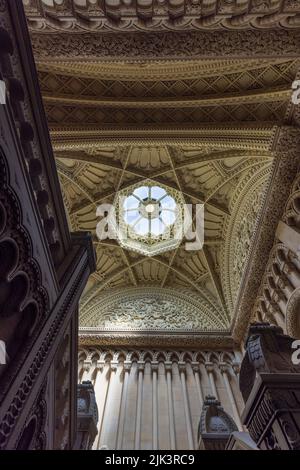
point(149, 211)
point(149, 217)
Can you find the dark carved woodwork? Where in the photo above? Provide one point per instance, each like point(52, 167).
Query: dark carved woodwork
point(43, 268)
point(24, 301)
point(270, 385)
point(33, 436)
point(268, 350)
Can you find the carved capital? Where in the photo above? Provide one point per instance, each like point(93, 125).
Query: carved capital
point(182, 367)
point(236, 366)
point(154, 366)
point(114, 365)
point(195, 366)
point(127, 366)
point(141, 366)
point(100, 365)
point(224, 368)
point(209, 366)
point(87, 365)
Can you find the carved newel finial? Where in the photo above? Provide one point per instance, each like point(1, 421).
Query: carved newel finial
point(215, 425)
point(268, 350)
point(270, 385)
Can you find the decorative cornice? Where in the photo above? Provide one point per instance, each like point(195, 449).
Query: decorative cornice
point(264, 96)
point(168, 340)
point(159, 70)
point(138, 47)
point(248, 136)
point(183, 15)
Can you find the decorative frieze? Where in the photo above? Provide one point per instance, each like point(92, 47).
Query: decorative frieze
point(162, 46)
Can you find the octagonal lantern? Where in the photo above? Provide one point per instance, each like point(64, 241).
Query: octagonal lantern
point(150, 218)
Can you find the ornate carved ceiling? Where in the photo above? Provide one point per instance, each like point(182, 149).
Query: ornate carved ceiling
point(157, 15)
point(202, 127)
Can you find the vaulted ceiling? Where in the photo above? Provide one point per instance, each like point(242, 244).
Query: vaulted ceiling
point(202, 127)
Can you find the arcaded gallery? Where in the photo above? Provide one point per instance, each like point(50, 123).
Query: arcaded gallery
point(150, 225)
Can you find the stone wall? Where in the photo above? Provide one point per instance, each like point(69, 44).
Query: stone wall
point(153, 399)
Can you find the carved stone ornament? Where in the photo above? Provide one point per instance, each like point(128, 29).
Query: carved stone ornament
point(155, 46)
point(77, 16)
point(150, 309)
point(215, 425)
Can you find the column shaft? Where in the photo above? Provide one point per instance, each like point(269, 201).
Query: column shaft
point(187, 410)
point(232, 401)
point(199, 389)
point(138, 422)
point(171, 410)
point(123, 408)
point(154, 411)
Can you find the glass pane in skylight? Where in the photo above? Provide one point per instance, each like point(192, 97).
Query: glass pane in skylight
point(131, 217)
point(157, 192)
point(168, 217)
point(168, 203)
point(157, 227)
point(142, 227)
point(131, 202)
point(142, 192)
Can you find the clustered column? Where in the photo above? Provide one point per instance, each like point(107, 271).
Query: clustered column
point(182, 371)
point(209, 366)
point(168, 368)
point(196, 370)
point(141, 367)
point(226, 376)
point(154, 366)
point(126, 371)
